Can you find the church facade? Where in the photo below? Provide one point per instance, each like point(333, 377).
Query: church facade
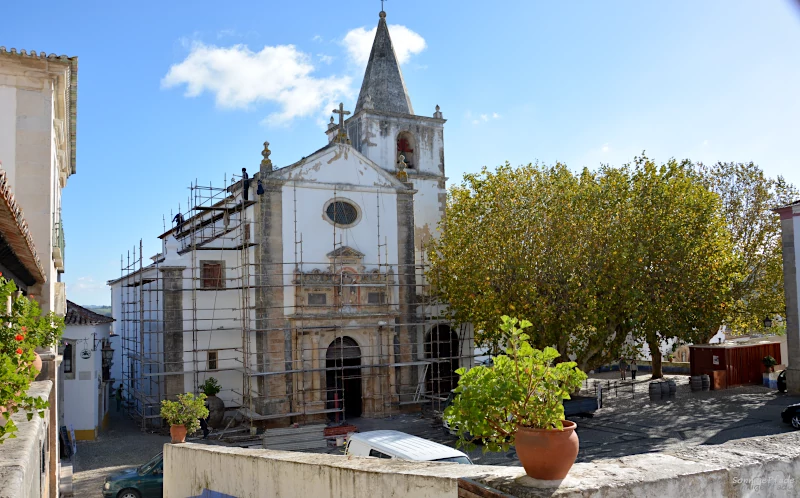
point(302, 289)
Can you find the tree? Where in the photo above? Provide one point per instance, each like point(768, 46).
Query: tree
point(542, 243)
point(682, 256)
point(590, 259)
point(747, 199)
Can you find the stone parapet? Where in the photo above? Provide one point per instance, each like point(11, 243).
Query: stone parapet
point(754, 467)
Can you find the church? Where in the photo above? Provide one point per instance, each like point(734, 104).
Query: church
point(302, 289)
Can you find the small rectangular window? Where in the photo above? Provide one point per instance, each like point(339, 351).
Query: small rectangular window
point(376, 298)
point(212, 274)
point(317, 299)
point(67, 362)
point(212, 360)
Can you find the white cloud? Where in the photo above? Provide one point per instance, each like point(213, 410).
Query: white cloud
point(239, 78)
point(605, 148)
point(325, 59)
point(480, 118)
point(705, 142)
point(317, 38)
point(227, 32)
point(358, 43)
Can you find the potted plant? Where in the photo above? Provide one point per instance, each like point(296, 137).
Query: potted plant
point(183, 416)
point(671, 357)
point(769, 362)
point(24, 328)
point(519, 401)
point(216, 407)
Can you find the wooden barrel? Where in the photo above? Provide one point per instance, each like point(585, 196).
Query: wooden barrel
point(706, 382)
point(655, 390)
point(673, 388)
point(696, 383)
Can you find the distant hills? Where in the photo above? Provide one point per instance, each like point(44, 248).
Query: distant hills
point(99, 309)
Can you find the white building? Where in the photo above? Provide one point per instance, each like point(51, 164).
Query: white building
point(87, 381)
point(38, 112)
point(304, 293)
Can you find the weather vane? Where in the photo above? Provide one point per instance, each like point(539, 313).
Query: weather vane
point(382, 4)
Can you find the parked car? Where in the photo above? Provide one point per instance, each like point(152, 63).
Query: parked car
point(145, 481)
point(396, 444)
point(791, 415)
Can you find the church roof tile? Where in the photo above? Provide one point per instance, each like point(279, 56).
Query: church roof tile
point(383, 87)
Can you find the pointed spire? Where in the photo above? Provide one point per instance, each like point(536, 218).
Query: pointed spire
point(383, 88)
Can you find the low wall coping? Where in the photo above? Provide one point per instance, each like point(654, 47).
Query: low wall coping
point(761, 466)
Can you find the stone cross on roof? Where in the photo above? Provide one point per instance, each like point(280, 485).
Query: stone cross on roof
point(342, 137)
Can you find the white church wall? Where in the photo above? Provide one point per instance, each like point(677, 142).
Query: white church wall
point(318, 233)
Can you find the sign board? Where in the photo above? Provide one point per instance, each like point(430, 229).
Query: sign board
point(715, 360)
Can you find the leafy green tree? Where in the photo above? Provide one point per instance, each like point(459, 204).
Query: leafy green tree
point(747, 199)
point(682, 256)
point(591, 260)
point(542, 243)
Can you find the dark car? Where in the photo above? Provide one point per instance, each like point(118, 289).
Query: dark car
point(146, 481)
point(791, 415)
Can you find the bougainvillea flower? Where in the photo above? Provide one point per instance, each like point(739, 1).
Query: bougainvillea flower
point(24, 328)
point(19, 350)
point(19, 337)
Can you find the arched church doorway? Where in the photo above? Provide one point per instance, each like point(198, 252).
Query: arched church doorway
point(343, 377)
point(441, 346)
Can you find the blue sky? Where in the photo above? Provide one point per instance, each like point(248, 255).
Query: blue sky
point(170, 92)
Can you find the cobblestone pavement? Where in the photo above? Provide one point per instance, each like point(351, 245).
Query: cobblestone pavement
point(122, 446)
point(631, 423)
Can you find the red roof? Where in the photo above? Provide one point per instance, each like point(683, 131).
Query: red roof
point(78, 315)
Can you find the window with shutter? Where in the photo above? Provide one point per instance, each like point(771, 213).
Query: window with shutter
point(212, 274)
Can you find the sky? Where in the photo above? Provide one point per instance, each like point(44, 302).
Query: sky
point(175, 92)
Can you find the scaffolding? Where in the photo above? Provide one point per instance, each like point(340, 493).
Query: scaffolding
point(289, 339)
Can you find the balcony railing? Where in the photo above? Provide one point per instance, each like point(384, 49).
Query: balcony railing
point(58, 242)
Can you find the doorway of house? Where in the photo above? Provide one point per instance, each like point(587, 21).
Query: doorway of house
point(343, 378)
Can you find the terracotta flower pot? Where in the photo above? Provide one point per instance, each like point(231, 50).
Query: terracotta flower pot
point(37, 363)
point(547, 454)
point(178, 433)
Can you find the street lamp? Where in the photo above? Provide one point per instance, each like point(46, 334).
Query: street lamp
point(107, 355)
point(767, 322)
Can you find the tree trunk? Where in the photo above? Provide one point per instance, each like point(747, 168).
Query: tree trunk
point(655, 355)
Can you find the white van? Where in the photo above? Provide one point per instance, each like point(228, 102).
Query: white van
point(396, 444)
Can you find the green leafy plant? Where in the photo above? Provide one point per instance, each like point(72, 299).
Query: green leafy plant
point(769, 362)
point(23, 329)
point(187, 411)
point(524, 387)
point(210, 387)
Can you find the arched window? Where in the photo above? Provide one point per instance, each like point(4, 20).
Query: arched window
point(406, 146)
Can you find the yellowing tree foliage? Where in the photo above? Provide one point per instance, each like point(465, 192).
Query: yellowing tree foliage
point(589, 259)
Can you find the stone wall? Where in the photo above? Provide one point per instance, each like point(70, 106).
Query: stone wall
point(754, 467)
point(23, 473)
